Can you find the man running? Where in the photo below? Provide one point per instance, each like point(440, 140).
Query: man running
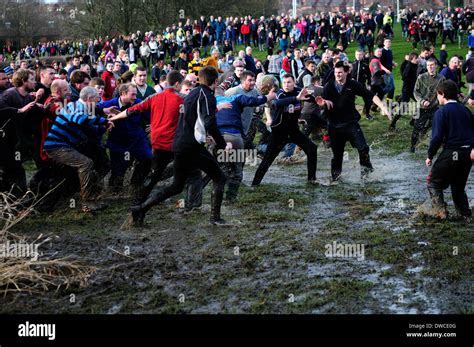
point(190, 153)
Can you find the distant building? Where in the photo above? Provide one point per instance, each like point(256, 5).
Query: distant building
point(309, 6)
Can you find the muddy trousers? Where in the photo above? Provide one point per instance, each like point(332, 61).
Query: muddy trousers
point(185, 165)
point(339, 136)
point(233, 166)
point(422, 125)
point(121, 160)
point(85, 169)
point(281, 135)
point(160, 160)
point(452, 168)
point(232, 163)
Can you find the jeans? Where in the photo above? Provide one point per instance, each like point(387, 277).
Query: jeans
point(389, 88)
point(234, 168)
point(289, 149)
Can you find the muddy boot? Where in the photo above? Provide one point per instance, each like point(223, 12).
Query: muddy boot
point(437, 202)
point(216, 202)
point(461, 203)
point(139, 211)
point(232, 192)
point(393, 125)
point(137, 216)
point(260, 174)
point(414, 141)
point(194, 188)
point(365, 172)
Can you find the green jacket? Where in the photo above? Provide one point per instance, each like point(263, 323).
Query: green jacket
point(426, 87)
point(148, 92)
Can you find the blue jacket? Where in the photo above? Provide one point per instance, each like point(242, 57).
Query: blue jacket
point(230, 120)
point(74, 127)
point(470, 40)
point(220, 27)
point(448, 74)
point(126, 132)
point(250, 64)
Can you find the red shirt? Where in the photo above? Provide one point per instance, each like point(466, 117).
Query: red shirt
point(52, 107)
point(164, 111)
point(110, 84)
point(245, 29)
point(285, 65)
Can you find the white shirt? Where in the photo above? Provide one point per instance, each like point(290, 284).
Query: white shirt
point(131, 55)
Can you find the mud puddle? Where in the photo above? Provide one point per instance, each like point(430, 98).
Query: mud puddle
point(275, 258)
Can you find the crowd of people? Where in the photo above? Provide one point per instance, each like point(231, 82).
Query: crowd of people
point(93, 114)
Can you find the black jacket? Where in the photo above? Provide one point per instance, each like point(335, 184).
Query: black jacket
point(409, 73)
point(286, 109)
point(180, 64)
point(344, 111)
point(198, 119)
point(14, 126)
point(361, 72)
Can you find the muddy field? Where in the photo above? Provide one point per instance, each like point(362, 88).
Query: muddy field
point(274, 259)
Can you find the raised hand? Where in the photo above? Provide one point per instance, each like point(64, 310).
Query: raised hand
point(27, 107)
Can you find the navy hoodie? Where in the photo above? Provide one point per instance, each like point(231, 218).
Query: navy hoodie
point(453, 127)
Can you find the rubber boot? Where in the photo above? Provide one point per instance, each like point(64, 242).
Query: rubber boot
point(437, 201)
point(216, 202)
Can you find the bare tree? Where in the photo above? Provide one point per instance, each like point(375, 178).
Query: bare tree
point(125, 14)
point(159, 13)
point(23, 18)
point(92, 17)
